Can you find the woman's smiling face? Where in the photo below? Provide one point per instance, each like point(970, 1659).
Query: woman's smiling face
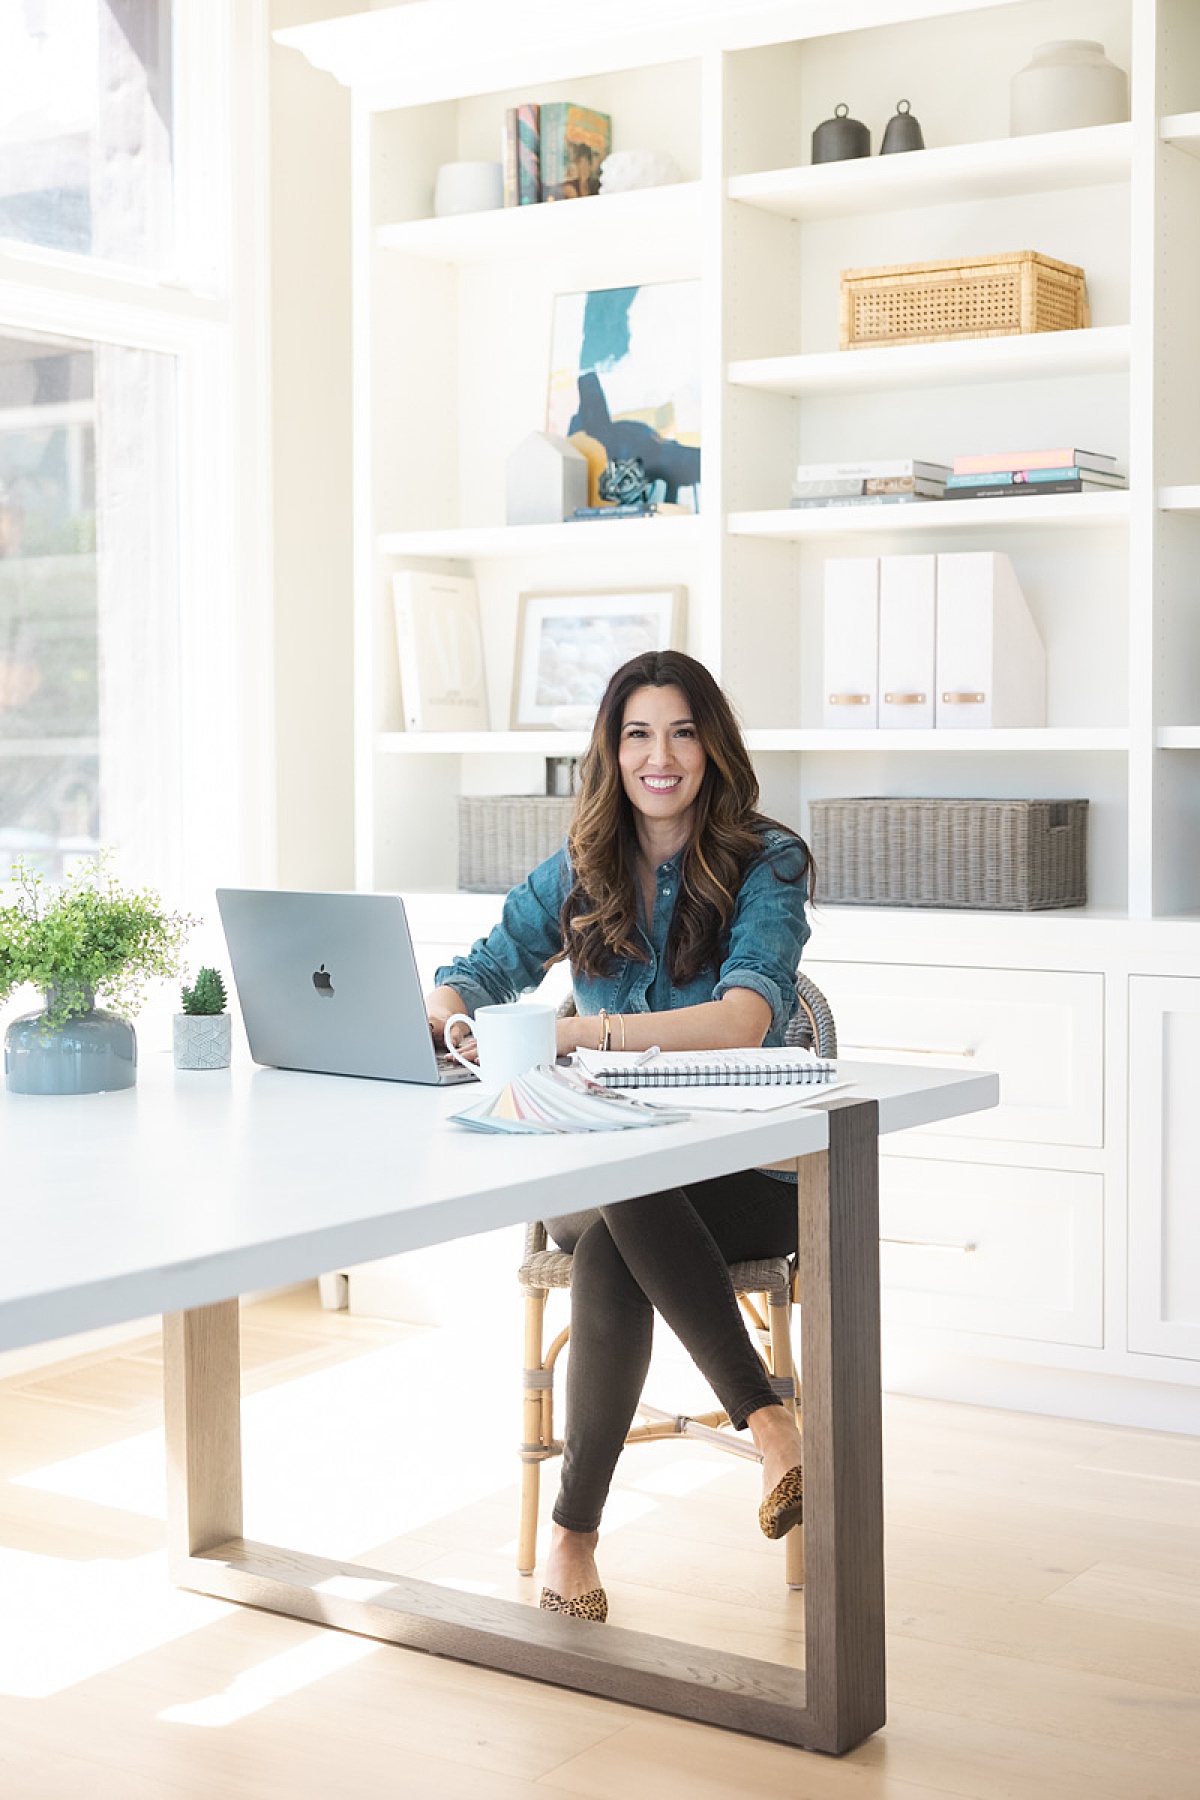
point(661, 758)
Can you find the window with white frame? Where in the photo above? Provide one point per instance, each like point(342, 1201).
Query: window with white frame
point(117, 484)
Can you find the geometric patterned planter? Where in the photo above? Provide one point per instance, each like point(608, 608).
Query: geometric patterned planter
point(202, 1040)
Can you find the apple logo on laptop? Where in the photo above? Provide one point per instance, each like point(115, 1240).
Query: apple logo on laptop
point(322, 981)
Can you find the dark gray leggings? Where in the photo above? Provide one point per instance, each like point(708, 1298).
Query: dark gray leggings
point(667, 1252)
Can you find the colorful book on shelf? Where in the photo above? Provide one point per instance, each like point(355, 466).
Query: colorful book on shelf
point(997, 461)
point(522, 163)
point(785, 1067)
point(573, 142)
point(1002, 490)
point(866, 499)
point(1037, 477)
point(873, 471)
point(877, 484)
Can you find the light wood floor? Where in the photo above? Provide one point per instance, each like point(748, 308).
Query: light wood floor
point(1043, 1594)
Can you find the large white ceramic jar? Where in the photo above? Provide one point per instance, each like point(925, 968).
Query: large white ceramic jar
point(1069, 83)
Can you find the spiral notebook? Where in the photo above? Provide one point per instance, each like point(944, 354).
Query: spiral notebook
point(785, 1067)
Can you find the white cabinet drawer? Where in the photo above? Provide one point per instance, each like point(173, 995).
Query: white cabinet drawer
point(976, 1247)
point(1042, 1032)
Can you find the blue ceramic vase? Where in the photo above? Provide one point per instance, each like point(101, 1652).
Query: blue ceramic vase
point(92, 1053)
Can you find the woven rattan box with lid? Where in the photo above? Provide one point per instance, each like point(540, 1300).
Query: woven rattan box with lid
point(979, 296)
point(994, 855)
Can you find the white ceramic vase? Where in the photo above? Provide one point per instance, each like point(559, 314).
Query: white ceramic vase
point(468, 187)
point(1069, 84)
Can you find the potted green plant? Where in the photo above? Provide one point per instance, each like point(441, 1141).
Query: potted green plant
point(88, 939)
point(203, 1029)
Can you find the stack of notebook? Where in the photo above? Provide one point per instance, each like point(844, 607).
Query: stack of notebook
point(900, 481)
point(1003, 474)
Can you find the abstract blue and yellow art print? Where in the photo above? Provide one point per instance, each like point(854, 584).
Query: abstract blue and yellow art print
point(625, 381)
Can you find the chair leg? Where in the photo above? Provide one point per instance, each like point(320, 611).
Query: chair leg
point(783, 1373)
point(533, 1446)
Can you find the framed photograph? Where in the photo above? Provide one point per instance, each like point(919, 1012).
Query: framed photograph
point(441, 652)
point(569, 644)
point(625, 381)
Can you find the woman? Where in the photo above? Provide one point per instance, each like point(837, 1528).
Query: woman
point(681, 910)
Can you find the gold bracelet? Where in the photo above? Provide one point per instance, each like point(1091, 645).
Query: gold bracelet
point(621, 1020)
point(602, 1046)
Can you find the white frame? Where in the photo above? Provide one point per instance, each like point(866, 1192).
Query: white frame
point(666, 604)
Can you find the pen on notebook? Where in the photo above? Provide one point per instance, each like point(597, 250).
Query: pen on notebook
point(647, 1056)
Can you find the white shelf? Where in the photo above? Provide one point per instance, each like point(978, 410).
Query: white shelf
point(1177, 737)
point(972, 172)
point(604, 223)
point(1179, 499)
point(1182, 130)
point(1042, 739)
point(478, 543)
point(1042, 511)
point(482, 743)
point(1032, 356)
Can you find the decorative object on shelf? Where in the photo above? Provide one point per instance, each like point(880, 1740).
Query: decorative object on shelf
point(625, 370)
point(88, 937)
point(970, 297)
point(1069, 84)
point(990, 855)
point(1010, 474)
point(573, 143)
point(840, 138)
point(203, 1031)
point(502, 836)
point(468, 187)
point(907, 629)
point(522, 156)
point(569, 644)
point(623, 170)
point(546, 480)
point(441, 652)
point(902, 132)
point(562, 776)
point(851, 689)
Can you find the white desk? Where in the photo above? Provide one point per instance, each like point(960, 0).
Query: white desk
point(191, 1189)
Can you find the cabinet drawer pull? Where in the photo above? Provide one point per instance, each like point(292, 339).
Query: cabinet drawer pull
point(905, 1049)
point(905, 699)
point(963, 699)
point(849, 699)
point(931, 1244)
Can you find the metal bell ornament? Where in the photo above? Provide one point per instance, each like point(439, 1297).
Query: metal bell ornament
point(902, 132)
point(839, 138)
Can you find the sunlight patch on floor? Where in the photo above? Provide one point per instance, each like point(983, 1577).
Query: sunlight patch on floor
point(271, 1680)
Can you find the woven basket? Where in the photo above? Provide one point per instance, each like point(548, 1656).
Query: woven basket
point(502, 836)
point(980, 296)
point(994, 855)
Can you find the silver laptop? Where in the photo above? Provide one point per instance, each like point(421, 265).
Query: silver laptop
point(329, 983)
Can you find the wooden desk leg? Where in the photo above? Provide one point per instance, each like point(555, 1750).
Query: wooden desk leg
point(202, 1405)
point(838, 1197)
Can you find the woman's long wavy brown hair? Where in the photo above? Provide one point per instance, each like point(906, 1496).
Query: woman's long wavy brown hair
point(600, 913)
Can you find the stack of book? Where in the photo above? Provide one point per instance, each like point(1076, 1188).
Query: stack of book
point(553, 152)
point(1008, 473)
point(897, 482)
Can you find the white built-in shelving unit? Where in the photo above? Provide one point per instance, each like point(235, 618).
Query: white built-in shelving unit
point(452, 323)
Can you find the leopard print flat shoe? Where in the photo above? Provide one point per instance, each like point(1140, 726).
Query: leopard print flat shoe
point(784, 1505)
point(593, 1605)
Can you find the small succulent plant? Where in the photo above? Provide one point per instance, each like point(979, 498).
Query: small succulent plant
point(206, 994)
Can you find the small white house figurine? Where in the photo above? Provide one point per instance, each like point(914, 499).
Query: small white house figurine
point(547, 480)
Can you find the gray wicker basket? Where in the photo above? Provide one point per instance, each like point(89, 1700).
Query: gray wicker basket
point(995, 855)
point(502, 836)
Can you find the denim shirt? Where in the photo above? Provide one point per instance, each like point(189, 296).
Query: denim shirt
point(760, 949)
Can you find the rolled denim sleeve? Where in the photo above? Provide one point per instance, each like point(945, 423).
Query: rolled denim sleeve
point(511, 960)
point(768, 931)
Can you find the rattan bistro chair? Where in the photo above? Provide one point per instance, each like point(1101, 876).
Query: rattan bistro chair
point(765, 1289)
